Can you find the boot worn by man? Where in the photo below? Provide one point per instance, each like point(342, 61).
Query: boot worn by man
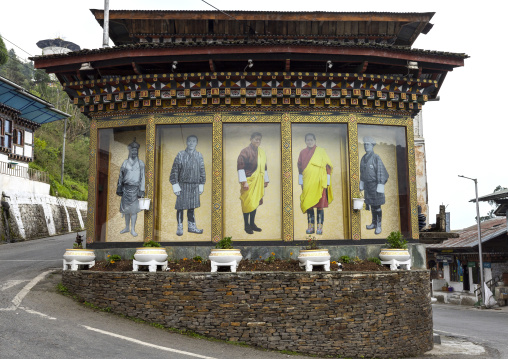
point(193, 229)
point(248, 229)
point(374, 220)
point(255, 228)
point(378, 224)
point(179, 229)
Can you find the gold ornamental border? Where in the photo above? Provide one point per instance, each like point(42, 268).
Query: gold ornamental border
point(286, 119)
point(404, 121)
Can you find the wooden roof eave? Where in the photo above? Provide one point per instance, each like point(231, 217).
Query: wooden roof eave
point(137, 54)
point(262, 15)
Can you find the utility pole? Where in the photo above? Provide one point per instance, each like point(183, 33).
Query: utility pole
point(63, 148)
point(480, 254)
point(105, 36)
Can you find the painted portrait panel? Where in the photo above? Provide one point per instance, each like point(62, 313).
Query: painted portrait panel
point(383, 179)
point(183, 192)
point(252, 182)
point(121, 183)
point(320, 180)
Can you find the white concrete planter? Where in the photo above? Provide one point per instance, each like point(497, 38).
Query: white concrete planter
point(77, 257)
point(312, 257)
point(151, 257)
point(225, 258)
point(395, 257)
point(147, 254)
point(400, 255)
point(144, 203)
point(358, 203)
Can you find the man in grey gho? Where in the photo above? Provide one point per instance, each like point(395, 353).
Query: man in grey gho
point(131, 186)
point(188, 180)
point(373, 177)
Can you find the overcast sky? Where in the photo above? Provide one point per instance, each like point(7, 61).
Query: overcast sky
point(463, 134)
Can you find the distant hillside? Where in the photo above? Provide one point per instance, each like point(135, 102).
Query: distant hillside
point(49, 137)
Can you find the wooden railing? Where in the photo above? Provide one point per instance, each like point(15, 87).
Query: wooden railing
point(23, 172)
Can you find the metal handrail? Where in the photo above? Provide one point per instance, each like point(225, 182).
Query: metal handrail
point(23, 172)
point(490, 284)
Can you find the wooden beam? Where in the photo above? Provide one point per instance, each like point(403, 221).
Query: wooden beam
point(288, 65)
point(384, 55)
point(262, 16)
point(212, 65)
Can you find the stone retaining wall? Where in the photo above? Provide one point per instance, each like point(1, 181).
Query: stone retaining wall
point(35, 216)
point(350, 314)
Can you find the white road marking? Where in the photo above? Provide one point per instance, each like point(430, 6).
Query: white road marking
point(8, 309)
point(26, 289)
point(147, 344)
point(11, 283)
point(38, 313)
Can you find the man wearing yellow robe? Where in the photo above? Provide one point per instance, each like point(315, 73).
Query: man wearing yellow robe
point(314, 167)
point(253, 177)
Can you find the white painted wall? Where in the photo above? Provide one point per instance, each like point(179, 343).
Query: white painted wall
point(19, 184)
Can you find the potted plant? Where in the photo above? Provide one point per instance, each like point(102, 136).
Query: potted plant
point(444, 288)
point(395, 252)
point(224, 255)
point(313, 255)
point(78, 255)
point(151, 254)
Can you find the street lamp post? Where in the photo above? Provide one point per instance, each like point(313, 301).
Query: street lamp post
point(482, 289)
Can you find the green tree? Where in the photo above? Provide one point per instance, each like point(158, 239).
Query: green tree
point(13, 70)
point(3, 52)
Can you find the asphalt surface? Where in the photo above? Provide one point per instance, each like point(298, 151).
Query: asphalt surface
point(36, 321)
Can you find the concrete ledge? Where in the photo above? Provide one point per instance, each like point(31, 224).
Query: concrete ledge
point(349, 314)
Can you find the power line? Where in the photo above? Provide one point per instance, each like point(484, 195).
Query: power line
point(15, 45)
point(234, 18)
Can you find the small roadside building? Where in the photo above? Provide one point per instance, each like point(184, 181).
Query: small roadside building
point(21, 113)
point(456, 261)
point(349, 82)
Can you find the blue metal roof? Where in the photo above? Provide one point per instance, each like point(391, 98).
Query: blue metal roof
point(31, 107)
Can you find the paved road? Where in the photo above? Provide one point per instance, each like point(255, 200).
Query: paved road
point(38, 322)
point(488, 327)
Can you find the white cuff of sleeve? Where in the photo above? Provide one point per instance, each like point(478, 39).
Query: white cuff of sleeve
point(266, 177)
point(361, 185)
point(380, 188)
point(201, 188)
point(300, 180)
point(327, 180)
point(241, 176)
point(176, 188)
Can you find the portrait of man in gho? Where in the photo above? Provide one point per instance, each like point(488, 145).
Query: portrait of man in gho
point(314, 170)
point(188, 180)
point(253, 177)
point(373, 177)
point(131, 186)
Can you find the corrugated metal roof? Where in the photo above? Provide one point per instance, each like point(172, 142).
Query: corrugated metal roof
point(495, 195)
point(253, 42)
point(30, 107)
point(468, 237)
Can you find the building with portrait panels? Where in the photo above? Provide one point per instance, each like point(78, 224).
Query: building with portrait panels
point(342, 77)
